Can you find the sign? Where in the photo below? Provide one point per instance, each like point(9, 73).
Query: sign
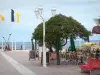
point(31, 54)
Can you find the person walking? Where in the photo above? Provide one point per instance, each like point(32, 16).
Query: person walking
point(21, 47)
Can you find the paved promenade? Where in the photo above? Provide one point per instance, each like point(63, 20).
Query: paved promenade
point(6, 68)
point(17, 63)
point(35, 66)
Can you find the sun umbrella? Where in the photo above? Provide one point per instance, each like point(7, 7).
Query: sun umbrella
point(72, 44)
point(89, 44)
point(96, 30)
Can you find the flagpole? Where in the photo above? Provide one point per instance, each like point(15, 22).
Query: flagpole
point(15, 45)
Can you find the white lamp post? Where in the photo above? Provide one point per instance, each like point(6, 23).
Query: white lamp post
point(53, 11)
point(23, 46)
point(8, 40)
point(4, 43)
point(39, 14)
point(15, 44)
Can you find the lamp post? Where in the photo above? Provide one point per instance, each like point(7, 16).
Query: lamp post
point(9, 37)
point(4, 39)
point(39, 14)
point(15, 45)
point(5, 42)
point(8, 41)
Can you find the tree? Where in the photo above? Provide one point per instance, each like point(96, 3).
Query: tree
point(60, 28)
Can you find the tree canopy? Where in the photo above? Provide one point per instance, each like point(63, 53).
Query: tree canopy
point(60, 27)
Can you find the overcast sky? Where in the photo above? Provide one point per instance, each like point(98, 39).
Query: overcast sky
point(82, 10)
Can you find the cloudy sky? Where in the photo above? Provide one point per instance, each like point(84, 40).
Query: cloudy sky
point(82, 10)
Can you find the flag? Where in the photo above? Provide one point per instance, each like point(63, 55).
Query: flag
point(18, 16)
point(2, 17)
point(12, 15)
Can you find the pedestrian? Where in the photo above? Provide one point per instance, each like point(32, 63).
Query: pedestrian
point(21, 47)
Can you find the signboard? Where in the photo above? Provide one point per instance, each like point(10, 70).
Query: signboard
point(31, 54)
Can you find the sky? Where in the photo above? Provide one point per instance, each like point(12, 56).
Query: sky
point(83, 11)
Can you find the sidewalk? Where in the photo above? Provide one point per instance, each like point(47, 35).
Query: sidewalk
point(6, 68)
point(35, 66)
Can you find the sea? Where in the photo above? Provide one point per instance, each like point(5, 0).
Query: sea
point(28, 45)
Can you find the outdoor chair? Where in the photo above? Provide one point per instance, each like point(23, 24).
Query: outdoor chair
point(93, 66)
point(70, 57)
point(53, 56)
point(67, 56)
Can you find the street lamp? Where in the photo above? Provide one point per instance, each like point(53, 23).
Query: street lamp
point(8, 41)
point(4, 38)
point(5, 42)
point(9, 36)
point(39, 14)
point(53, 11)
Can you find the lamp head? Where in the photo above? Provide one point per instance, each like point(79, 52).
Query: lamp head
point(53, 11)
point(40, 10)
point(36, 12)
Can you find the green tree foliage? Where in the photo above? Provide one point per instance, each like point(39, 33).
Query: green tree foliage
point(60, 27)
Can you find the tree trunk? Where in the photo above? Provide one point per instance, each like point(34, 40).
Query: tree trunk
point(57, 54)
point(58, 57)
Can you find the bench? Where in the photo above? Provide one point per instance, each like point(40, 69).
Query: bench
point(93, 66)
